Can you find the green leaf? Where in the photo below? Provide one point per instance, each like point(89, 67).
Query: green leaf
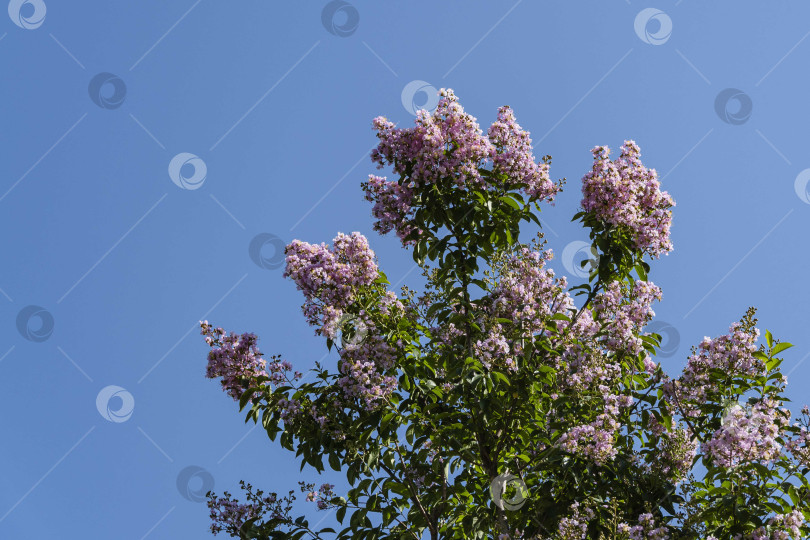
point(340, 514)
point(779, 347)
point(510, 201)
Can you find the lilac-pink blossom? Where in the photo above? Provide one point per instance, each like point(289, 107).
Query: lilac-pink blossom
point(624, 193)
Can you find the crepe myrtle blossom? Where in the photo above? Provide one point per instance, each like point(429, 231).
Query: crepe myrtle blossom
point(368, 371)
point(446, 144)
point(575, 527)
point(449, 144)
point(321, 496)
point(528, 293)
point(676, 450)
point(649, 365)
point(512, 156)
point(238, 361)
point(646, 529)
point(595, 441)
point(747, 436)
point(330, 277)
point(625, 311)
point(392, 206)
point(228, 514)
point(289, 409)
point(799, 446)
point(625, 194)
point(582, 369)
point(732, 353)
point(780, 527)
point(494, 349)
point(235, 358)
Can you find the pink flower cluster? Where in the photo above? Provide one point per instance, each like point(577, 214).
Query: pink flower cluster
point(595, 441)
point(446, 144)
point(365, 370)
point(392, 206)
point(676, 451)
point(329, 278)
point(228, 514)
point(235, 358)
point(626, 194)
point(279, 371)
point(528, 293)
point(494, 349)
point(732, 353)
point(289, 409)
point(584, 368)
point(449, 144)
point(625, 317)
point(745, 436)
point(321, 496)
point(575, 527)
point(787, 525)
point(512, 156)
point(799, 446)
point(645, 530)
point(781, 526)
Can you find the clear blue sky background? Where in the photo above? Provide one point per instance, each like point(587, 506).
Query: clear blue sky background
point(279, 110)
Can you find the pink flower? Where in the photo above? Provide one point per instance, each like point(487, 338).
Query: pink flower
point(235, 358)
point(747, 436)
point(625, 194)
point(512, 156)
point(732, 353)
point(445, 144)
point(329, 278)
point(368, 371)
point(575, 527)
point(448, 146)
point(392, 206)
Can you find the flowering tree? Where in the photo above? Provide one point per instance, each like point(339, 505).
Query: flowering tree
point(492, 405)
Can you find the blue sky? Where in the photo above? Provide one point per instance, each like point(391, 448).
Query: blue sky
point(274, 108)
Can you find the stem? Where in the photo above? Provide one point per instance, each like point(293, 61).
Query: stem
point(591, 296)
point(414, 494)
